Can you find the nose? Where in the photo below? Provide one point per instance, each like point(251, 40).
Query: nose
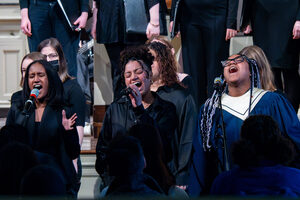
point(36, 79)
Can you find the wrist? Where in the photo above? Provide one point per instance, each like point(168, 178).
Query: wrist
point(155, 25)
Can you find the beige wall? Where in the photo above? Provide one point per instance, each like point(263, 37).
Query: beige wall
point(12, 49)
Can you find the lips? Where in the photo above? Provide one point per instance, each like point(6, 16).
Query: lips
point(233, 69)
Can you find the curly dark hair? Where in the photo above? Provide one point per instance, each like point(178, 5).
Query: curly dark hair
point(261, 140)
point(166, 62)
point(136, 53)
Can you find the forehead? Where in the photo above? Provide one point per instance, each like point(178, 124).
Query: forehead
point(37, 68)
point(26, 62)
point(48, 50)
point(132, 65)
point(234, 56)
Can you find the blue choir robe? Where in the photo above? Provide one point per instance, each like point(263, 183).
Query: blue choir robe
point(204, 166)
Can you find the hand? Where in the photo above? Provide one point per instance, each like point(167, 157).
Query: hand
point(184, 187)
point(296, 30)
point(68, 123)
point(230, 33)
point(94, 24)
point(25, 22)
point(152, 30)
point(135, 96)
point(171, 27)
point(81, 21)
point(248, 29)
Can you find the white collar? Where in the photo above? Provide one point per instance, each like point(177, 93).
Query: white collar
point(238, 106)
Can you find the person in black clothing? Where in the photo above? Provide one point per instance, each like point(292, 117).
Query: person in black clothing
point(129, 179)
point(166, 84)
point(109, 29)
point(206, 27)
point(140, 106)
point(42, 19)
point(49, 130)
point(276, 29)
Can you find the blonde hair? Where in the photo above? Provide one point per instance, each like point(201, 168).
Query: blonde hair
point(265, 72)
point(32, 56)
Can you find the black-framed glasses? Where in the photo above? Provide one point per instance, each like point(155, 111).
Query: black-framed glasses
point(236, 60)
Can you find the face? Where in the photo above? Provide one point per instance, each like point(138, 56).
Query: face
point(37, 76)
point(50, 53)
point(155, 67)
point(24, 66)
point(236, 71)
point(134, 72)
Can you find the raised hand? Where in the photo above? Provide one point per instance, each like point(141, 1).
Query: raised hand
point(68, 123)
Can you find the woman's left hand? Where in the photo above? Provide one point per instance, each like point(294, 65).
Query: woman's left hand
point(68, 123)
point(296, 30)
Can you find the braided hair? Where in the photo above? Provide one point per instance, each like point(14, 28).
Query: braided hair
point(211, 103)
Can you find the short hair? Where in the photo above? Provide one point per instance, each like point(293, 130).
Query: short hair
point(125, 156)
point(63, 67)
point(43, 180)
point(140, 54)
point(260, 140)
point(55, 87)
point(266, 74)
point(13, 133)
point(15, 160)
point(32, 56)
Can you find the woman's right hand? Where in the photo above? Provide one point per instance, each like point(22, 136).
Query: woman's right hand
point(248, 29)
point(135, 96)
point(25, 22)
point(171, 28)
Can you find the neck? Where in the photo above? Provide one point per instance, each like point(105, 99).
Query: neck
point(156, 84)
point(236, 91)
point(40, 104)
point(147, 99)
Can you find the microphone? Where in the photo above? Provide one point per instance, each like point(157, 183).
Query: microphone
point(218, 84)
point(128, 90)
point(29, 103)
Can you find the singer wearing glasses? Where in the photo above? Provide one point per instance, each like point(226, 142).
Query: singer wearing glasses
point(241, 97)
point(138, 106)
point(49, 130)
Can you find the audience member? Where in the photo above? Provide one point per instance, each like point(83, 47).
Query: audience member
point(167, 86)
point(138, 106)
point(155, 158)
point(261, 153)
point(241, 96)
point(42, 19)
point(43, 180)
point(126, 162)
point(15, 160)
point(48, 128)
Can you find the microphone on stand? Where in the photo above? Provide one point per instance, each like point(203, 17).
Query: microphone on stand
point(29, 103)
point(218, 83)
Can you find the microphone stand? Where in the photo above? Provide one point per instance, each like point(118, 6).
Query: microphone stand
point(225, 150)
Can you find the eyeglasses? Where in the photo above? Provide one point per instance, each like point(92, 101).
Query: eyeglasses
point(52, 56)
point(137, 71)
point(236, 61)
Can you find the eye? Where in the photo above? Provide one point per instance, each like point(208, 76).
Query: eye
point(127, 74)
point(139, 71)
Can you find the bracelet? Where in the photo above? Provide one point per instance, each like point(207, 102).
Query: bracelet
point(154, 25)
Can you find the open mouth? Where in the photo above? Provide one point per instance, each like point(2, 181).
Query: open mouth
point(233, 69)
point(37, 87)
point(137, 84)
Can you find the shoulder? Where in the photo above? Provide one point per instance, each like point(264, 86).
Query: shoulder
point(159, 102)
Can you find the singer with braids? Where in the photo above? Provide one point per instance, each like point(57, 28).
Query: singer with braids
point(241, 96)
